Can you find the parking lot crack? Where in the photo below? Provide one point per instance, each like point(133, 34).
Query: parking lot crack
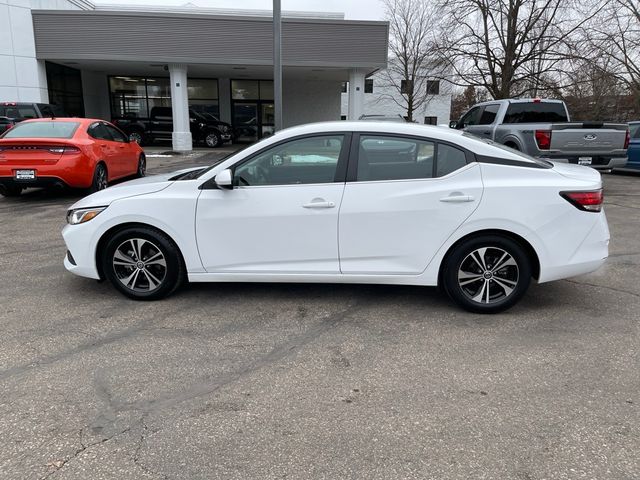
point(619, 290)
point(278, 353)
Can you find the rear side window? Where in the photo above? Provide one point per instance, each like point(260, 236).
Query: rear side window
point(535, 113)
point(393, 158)
point(99, 131)
point(43, 130)
point(116, 134)
point(449, 160)
point(489, 114)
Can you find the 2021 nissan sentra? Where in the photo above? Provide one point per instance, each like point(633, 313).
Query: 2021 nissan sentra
point(66, 152)
point(349, 202)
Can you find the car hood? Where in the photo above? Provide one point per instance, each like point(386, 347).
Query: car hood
point(132, 188)
point(577, 172)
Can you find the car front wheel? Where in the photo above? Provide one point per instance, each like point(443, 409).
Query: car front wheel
point(212, 140)
point(487, 274)
point(143, 263)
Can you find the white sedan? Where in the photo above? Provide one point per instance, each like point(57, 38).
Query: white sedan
point(361, 202)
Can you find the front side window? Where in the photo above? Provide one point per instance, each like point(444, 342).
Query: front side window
point(635, 130)
point(393, 158)
point(301, 161)
point(472, 117)
point(116, 134)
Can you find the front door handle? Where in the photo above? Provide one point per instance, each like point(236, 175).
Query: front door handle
point(319, 204)
point(457, 199)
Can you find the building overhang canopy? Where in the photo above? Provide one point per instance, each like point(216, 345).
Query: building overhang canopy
point(158, 38)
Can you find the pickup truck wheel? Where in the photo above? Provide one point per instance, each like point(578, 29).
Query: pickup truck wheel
point(212, 140)
point(136, 137)
point(512, 145)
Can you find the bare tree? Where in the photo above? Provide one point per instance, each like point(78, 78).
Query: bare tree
point(614, 36)
point(510, 47)
point(412, 62)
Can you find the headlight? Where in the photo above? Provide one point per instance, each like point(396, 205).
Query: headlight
point(82, 215)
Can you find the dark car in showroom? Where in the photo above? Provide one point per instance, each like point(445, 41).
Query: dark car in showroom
point(205, 129)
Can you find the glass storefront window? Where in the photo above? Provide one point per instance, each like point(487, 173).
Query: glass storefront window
point(136, 96)
point(245, 89)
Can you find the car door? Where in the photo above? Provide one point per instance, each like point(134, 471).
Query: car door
point(125, 158)
point(106, 148)
point(483, 123)
point(282, 214)
point(403, 198)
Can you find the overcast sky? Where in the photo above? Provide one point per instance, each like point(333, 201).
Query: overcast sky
point(353, 9)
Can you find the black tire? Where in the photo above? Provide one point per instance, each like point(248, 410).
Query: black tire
point(153, 280)
point(142, 166)
point(473, 278)
point(100, 179)
point(137, 136)
point(10, 190)
point(212, 139)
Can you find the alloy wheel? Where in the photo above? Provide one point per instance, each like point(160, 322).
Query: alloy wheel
point(488, 275)
point(211, 140)
point(135, 137)
point(101, 178)
point(142, 166)
point(139, 265)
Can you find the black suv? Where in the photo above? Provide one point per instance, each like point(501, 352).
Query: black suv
point(14, 112)
point(205, 127)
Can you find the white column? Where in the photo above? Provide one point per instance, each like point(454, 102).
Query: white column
point(181, 136)
point(356, 94)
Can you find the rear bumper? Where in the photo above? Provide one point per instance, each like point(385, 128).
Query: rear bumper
point(599, 163)
point(39, 182)
point(588, 257)
point(76, 172)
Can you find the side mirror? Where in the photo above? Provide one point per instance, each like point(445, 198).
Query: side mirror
point(453, 124)
point(224, 179)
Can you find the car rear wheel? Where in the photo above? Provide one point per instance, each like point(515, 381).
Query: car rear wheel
point(143, 263)
point(212, 140)
point(487, 274)
point(100, 179)
point(142, 166)
point(10, 190)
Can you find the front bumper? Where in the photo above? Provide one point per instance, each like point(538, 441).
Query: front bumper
point(80, 260)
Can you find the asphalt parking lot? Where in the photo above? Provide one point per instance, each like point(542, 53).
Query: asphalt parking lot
point(245, 381)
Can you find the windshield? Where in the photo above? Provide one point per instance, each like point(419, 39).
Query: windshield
point(42, 130)
point(543, 163)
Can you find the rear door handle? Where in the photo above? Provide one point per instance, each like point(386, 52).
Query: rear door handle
point(457, 199)
point(321, 204)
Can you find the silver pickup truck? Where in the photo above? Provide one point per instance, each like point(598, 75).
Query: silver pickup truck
point(543, 129)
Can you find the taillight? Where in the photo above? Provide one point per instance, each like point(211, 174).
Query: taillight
point(588, 201)
point(627, 139)
point(65, 150)
point(543, 139)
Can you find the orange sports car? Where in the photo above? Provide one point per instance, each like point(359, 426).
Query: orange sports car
point(66, 152)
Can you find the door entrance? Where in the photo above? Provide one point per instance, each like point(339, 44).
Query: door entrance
point(252, 120)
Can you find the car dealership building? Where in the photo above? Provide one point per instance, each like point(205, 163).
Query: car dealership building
point(120, 61)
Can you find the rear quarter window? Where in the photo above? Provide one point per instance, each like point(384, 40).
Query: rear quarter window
point(542, 112)
point(42, 130)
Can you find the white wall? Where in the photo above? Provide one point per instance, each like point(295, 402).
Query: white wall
point(378, 103)
point(22, 76)
point(307, 101)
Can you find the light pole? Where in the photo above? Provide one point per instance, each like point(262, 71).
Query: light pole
point(277, 65)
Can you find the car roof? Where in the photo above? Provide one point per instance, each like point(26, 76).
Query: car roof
point(429, 132)
point(65, 119)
